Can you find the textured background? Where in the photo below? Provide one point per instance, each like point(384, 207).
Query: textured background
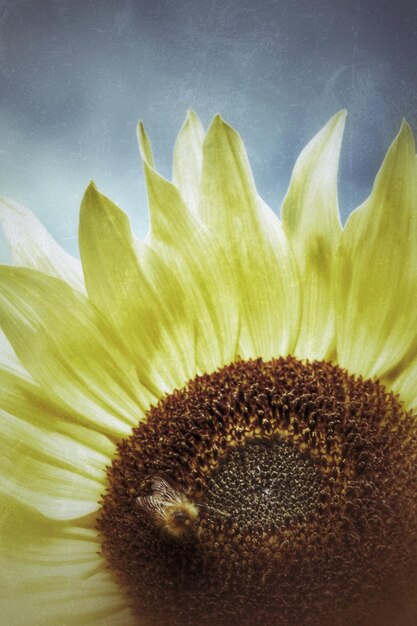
point(76, 76)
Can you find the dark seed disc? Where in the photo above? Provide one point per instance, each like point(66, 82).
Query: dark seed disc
point(268, 494)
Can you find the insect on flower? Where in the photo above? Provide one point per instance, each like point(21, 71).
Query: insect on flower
point(170, 509)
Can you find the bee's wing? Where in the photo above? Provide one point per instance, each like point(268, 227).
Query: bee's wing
point(163, 496)
point(151, 505)
point(163, 491)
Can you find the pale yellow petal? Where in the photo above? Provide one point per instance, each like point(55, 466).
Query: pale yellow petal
point(138, 292)
point(42, 474)
point(145, 145)
point(403, 381)
point(69, 350)
point(251, 235)
point(26, 400)
point(8, 358)
point(188, 158)
point(194, 253)
point(377, 274)
point(34, 546)
point(59, 600)
point(310, 215)
point(32, 246)
point(47, 459)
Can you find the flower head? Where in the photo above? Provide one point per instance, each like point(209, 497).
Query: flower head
point(215, 425)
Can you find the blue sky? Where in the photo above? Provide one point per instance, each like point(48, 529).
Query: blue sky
point(75, 77)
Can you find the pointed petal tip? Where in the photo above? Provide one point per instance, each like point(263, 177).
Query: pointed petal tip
point(341, 114)
point(218, 122)
point(404, 138)
point(337, 121)
point(91, 195)
point(397, 171)
point(91, 189)
point(405, 128)
point(193, 120)
point(141, 133)
point(219, 126)
point(145, 147)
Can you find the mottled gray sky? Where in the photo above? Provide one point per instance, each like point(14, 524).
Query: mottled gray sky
point(76, 76)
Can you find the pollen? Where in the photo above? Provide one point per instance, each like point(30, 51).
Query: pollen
point(292, 489)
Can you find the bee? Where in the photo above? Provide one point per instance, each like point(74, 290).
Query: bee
point(170, 509)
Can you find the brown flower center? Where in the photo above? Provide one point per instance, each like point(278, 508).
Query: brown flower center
point(273, 494)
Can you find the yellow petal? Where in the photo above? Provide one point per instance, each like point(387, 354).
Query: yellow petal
point(402, 380)
point(180, 238)
point(39, 469)
point(145, 145)
point(32, 246)
point(69, 350)
point(310, 215)
point(24, 399)
point(8, 358)
point(41, 449)
point(138, 293)
point(33, 546)
point(188, 157)
point(93, 601)
point(251, 235)
point(47, 460)
point(377, 272)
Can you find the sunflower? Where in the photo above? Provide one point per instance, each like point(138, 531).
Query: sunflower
point(214, 425)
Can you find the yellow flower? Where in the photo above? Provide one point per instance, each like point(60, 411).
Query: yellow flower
point(203, 427)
